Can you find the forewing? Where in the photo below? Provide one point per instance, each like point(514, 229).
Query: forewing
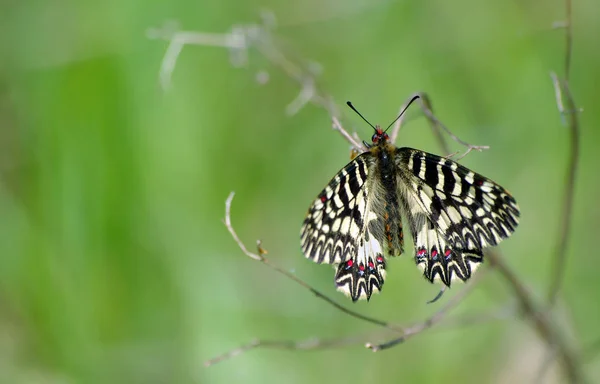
point(332, 226)
point(341, 229)
point(454, 213)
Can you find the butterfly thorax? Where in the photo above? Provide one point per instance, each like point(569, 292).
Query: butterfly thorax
point(382, 155)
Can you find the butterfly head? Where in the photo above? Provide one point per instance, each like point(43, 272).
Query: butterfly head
point(380, 136)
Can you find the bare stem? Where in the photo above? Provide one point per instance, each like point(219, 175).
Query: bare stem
point(436, 318)
point(319, 343)
point(260, 257)
point(563, 92)
point(309, 344)
point(240, 38)
point(545, 329)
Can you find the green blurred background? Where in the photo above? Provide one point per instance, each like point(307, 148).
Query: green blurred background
point(115, 265)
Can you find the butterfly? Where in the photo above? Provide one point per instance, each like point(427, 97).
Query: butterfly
point(356, 222)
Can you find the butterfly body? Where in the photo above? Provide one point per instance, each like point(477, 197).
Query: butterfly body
point(452, 213)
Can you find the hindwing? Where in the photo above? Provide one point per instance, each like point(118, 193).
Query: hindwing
point(344, 227)
point(454, 213)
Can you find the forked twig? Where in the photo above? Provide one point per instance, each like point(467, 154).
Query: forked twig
point(315, 343)
point(260, 257)
point(355, 144)
point(562, 91)
point(564, 96)
point(239, 40)
point(436, 125)
point(436, 318)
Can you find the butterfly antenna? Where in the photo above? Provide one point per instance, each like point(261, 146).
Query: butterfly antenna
point(402, 113)
point(358, 113)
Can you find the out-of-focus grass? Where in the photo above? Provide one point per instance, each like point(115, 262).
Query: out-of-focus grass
point(115, 266)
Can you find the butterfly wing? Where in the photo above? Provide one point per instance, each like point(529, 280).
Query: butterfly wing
point(454, 213)
point(342, 229)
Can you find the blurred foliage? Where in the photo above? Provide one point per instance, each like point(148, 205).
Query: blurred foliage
point(115, 265)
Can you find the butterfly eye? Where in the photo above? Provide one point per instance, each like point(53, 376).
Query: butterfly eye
point(375, 138)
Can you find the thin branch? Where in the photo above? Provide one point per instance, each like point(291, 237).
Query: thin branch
point(260, 257)
point(235, 41)
point(318, 343)
point(238, 41)
point(309, 344)
point(563, 92)
point(568, 39)
point(351, 139)
point(436, 318)
point(564, 96)
point(545, 329)
point(436, 125)
point(588, 354)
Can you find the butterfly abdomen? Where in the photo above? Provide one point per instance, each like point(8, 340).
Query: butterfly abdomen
point(387, 172)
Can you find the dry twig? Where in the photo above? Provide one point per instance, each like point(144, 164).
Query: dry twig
point(241, 38)
point(562, 91)
point(436, 318)
point(567, 108)
point(316, 343)
point(544, 327)
point(260, 257)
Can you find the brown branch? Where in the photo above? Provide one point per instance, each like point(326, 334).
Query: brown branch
point(309, 344)
point(567, 108)
point(239, 40)
point(563, 92)
point(261, 258)
point(545, 329)
point(437, 127)
point(243, 37)
point(356, 144)
point(436, 318)
point(568, 39)
point(564, 96)
point(315, 343)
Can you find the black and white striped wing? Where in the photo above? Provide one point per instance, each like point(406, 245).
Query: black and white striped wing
point(454, 213)
point(336, 231)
